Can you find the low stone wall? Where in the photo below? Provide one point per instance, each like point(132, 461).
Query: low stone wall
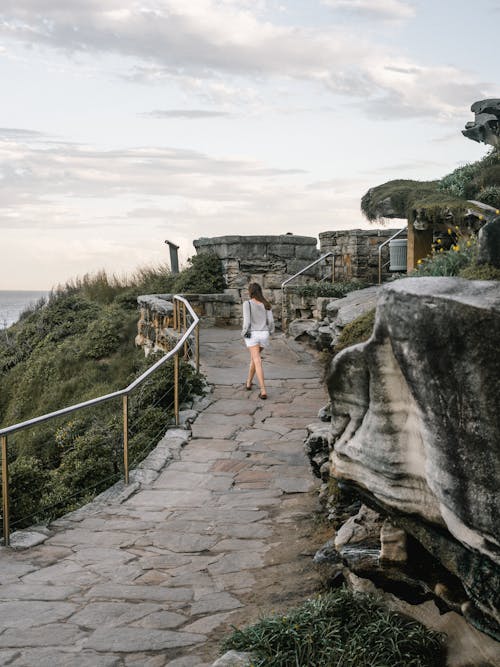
point(356, 252)
point(155, 327)
point(267, 260)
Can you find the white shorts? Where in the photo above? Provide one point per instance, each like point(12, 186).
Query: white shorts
point(257, 338)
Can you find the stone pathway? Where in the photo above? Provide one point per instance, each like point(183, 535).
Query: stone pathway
point(222, 534)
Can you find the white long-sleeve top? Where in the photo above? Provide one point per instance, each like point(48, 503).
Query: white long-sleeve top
point(256, 315)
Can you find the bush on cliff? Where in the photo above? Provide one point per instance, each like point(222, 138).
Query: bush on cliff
point(77, 345)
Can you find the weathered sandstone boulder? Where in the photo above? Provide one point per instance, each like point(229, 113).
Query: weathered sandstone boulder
point(416, 432)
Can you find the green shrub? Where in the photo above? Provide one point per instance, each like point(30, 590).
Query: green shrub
point(339, 628)
point(203, 276)
point(480, 272)
point(69, 350)
point(27, 483)
point(337, 290)
point(357, 331)
point(490, 195)
point(461, 181)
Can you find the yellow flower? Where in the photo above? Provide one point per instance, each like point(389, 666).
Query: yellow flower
point(457, 228)
point(441, 249)
point(449, 230)
point(469, 244)
point(481, 217)
point(438, 241)
point(497, 212)
point(456, 248)
point(419, 261)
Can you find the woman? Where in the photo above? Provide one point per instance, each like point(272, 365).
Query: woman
point(258, 323)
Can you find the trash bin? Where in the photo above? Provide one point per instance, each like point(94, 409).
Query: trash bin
point(397, 254)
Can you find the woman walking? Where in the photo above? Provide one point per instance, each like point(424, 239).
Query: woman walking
point(258, 323)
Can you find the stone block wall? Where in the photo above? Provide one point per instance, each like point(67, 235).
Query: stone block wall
point(155, 327)
point(268, 260)
point(356, 252)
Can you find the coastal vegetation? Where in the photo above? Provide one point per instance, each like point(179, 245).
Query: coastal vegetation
point(449, 198)
point(340, 627)
point(76, 345)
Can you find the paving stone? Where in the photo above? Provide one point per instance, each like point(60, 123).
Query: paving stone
point(182, 542)
point(207, 623)
point(248, 530)
point(236, 561)
point(171, 499)
point(163, 620)
point(219, 426)
point(54, 634)
point(57, 657)
point(215, 602)
point(132, 639)
point(110, 614)
point(232, 407)
point(256, 435)
point(294, 484)
point(238, 582)
point(240, 545)
point(62, 573)
point(89, 537)
point(144, 660)
point(24, 614)
point(36, 592)
point(130, 592)
point(173, 479)
point(188, 661)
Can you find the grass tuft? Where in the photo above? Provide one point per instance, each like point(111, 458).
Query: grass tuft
point(341, 629)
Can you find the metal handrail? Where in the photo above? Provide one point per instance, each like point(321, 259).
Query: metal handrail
point(174, 352)
point(403, 229)
point(306, 268)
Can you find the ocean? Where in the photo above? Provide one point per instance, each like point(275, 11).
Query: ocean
point(12, 304)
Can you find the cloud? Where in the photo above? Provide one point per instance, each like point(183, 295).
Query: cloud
point(220, 50)
point(185, 113)
point(375, 9)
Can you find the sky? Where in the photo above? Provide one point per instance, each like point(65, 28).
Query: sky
point(124, 123)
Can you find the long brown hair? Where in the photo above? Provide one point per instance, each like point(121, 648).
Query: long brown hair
point(255, 292)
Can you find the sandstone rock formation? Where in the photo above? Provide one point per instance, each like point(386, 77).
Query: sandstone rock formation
point(416, 433)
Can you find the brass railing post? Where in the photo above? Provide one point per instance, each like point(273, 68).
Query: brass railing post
point(184, 321)
point(176, 388)
point(5, 492)
point(125, 437)
point(197, 338)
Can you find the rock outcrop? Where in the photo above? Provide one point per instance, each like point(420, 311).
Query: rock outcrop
point(323, 318)
point(415, 433)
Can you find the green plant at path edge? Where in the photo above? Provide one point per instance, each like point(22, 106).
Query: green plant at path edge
point(340, 628)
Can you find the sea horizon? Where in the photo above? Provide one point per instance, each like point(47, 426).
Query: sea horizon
point(14, 302)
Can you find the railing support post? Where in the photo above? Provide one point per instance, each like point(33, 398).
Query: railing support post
point(125, 438)
point(197, 338)
point(5, 492)
point(184, 323)
point(176, 388)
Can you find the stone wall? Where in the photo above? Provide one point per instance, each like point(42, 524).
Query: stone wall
point(268, 260)
point(356, 252)
point(155, 327)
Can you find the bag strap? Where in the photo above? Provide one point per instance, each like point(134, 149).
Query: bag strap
point(249, 316)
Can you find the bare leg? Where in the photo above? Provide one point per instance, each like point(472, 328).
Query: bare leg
point(257, 362)
point(251, 372)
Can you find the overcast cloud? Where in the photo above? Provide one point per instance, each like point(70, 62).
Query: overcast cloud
point(125, 122)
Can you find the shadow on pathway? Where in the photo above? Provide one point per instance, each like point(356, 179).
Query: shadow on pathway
point(222, 534)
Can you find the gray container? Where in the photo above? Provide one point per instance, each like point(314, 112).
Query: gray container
point(397, 254)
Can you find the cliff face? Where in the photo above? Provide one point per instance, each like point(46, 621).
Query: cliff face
point(416, 433)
